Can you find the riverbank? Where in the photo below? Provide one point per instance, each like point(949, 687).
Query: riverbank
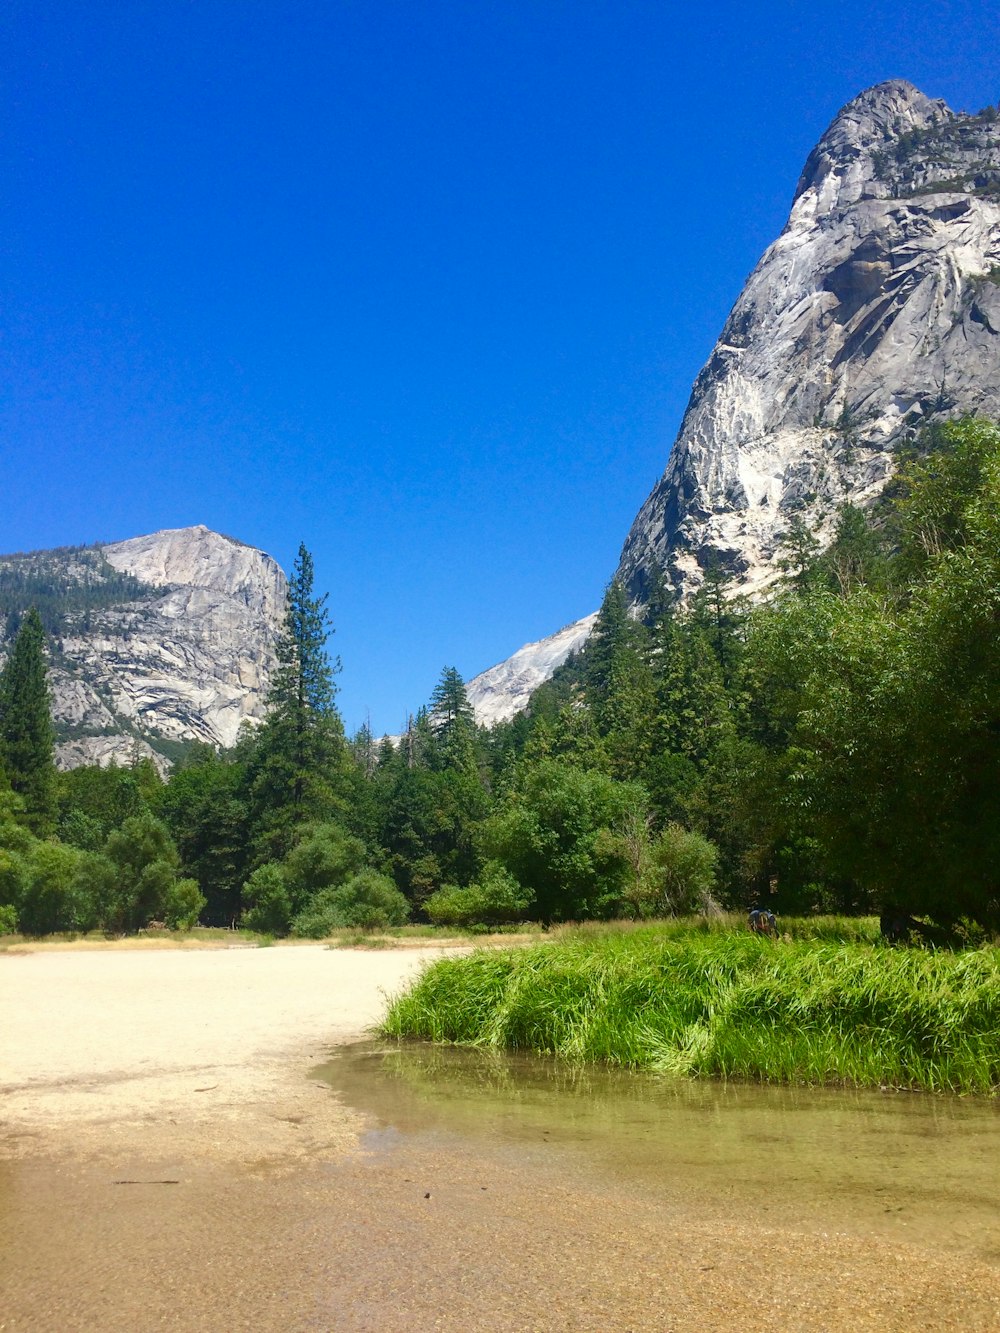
point(180, 1051)
point(166, 1160)
point(704, 1002)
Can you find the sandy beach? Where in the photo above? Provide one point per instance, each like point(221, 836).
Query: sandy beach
point(167, 1162)
point(198, 1051)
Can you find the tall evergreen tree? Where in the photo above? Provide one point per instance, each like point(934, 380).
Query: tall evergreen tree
point(454, 723)
point(299, 756)
point(27, 738)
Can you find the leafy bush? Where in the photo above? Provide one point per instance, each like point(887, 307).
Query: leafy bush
point(494, 899)
point(8, 919)
point(678, 877)
point(145, 863)
point(13, 878)
point(267, 906)
point(51, 900)
point(185, 903)
point(368, 900)
point(325, 858)
point(554, 835)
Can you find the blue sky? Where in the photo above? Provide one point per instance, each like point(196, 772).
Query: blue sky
point(423, 285)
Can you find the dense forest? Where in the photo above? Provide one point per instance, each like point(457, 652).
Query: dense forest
point(835, 747)
point(64, 586)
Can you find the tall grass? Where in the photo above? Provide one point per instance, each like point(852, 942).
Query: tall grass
point(705, 1002)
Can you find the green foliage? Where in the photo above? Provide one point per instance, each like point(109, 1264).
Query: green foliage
point(51, 899)
point(453, 725)
point(296, 762)
point(268, 906)
point(27, 739)
point(8, 919)
point(677, 876)
point(554, 835)
point(184, 904)
point(145, 862)
point(368, 901)
point(204, 805)
point(105, 796)
point(706, 1002)
point(325, 858)
point(13, 878)
point(494, 899)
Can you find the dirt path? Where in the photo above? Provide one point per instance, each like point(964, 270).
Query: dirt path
point(165, 1162)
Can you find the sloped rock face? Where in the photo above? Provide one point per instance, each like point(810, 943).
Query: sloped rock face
point(186, 653)
point(500, 693)
point(877, 309)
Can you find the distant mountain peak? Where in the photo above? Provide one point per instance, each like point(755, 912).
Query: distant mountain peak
point(875, 310)
point(179, 648)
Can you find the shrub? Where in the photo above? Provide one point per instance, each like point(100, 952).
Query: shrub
point(267, 907)
point(185, 903)
point(679, 875)
point(8, 919)
point(368, 900)
point(495, 899)
point(51, 900)
point(13, 878)
point(326, 857)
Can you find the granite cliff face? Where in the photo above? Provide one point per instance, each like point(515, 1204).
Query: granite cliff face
point(156, 640)
point(501, 692)
point(877, 309)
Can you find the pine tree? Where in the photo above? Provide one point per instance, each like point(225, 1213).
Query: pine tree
point(454, 724)
point(299, 755)
point(27, 738)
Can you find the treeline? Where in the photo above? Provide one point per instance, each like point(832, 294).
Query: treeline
point(836, 748)
point(63, 586)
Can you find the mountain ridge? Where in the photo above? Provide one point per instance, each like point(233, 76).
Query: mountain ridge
point(184, 654)
point(874, 311)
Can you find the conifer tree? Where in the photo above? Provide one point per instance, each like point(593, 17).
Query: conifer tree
point(300, 753)
point(454, 724)
point(27, 738)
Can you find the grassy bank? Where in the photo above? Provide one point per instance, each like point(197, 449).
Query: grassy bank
point(726, 1004)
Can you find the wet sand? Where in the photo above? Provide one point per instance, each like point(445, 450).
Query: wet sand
point(292, 1210)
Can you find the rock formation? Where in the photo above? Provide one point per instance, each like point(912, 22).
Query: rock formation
point(498, 694)
point(156, 640)
point(877, 309)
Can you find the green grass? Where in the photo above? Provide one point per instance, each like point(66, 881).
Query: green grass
point(706, 1000)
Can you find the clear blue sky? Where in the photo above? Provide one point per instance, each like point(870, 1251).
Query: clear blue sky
point(421, 284)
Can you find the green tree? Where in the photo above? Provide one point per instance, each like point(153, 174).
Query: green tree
point(799, 549)
point(555, 835)
point(106, 797)
point(324, 859)
point(367, 901)
point(453, 723)
point(51, 900)
point(205, 810)
point(266, 901)
point(297, 760)
point(145, 863)
point(495, 898)
point(27, 738)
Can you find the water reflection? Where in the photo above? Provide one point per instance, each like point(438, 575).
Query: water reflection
point(920, 1168)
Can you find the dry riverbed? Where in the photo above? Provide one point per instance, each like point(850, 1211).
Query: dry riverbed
point(168, 1162)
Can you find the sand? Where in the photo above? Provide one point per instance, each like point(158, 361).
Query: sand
point(199, 1051)
point(167, 1162)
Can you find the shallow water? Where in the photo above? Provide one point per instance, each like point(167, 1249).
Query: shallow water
point(893, 1166)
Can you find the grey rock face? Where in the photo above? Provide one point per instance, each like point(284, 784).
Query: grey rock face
point(877, 309)
point(500, 693)
point(184, 653)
